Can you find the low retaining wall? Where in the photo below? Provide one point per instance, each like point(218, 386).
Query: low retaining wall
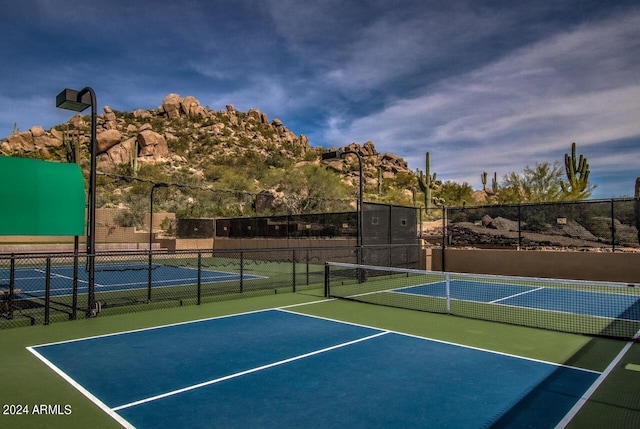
point(615, 267)
point(280, 243)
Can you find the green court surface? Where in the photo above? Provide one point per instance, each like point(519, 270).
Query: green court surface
point(26, 383)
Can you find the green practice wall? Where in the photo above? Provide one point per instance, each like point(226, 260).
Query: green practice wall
point(40, 197)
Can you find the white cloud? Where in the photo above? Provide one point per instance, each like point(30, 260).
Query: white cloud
point(527, 107)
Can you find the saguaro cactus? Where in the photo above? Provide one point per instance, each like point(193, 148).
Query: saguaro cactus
point(494, 182)
point(133, 160)
point(71, 147)
point(427, 182)
point(577, 170)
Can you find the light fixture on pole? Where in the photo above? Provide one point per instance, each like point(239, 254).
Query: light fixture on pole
point(78, 101)
point(153, 188)
point(338, 154)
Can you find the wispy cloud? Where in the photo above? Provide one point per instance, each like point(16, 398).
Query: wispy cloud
point(481, 85)
point(527, 107)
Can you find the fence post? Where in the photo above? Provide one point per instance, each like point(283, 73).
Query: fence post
point(12, 286)
point(241, 271)
point(149, 275)
point(199, 290)
point(327, 289)
point(307, 257)
point(47, 291)
point(293, 256)
point(519, 226)
point(444, 237)
point(74, 292)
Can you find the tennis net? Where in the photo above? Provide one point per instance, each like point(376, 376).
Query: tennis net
point(585, 307)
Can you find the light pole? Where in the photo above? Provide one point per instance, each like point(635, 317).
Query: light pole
point(338, 154)
point(78, 101)
point(153, 188)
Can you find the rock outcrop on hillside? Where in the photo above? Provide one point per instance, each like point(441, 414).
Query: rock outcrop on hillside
point(181, 125)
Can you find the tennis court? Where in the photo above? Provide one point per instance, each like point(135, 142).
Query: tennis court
point(545, 297)
point(113, 277)
point(585, 307)
point(276, 368)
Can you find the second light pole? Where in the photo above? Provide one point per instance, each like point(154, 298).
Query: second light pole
point(70, 99)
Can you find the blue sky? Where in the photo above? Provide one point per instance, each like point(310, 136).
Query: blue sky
point(481, 85)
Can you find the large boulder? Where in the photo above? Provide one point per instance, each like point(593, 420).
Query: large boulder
point(122, 152)
point(191, 107)
point(108, 139)
point(152, 144)
point(503, 224)
point(171, 105)
point(36, 139)
point(109, 114)
point(258, 116)
point(22, 142)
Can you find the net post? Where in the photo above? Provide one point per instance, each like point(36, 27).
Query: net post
point(327, 289)
point(448, 291)
point(199, 293)
point(47, 291)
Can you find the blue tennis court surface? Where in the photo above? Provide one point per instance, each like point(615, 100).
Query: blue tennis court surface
point(275, 368)
point(618, 306)
point(113, 278)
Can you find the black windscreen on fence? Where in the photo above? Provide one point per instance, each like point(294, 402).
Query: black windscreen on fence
point(327, 225)
point(573, 224)
point(381, 224)
point(387, 224)
point(195, 228)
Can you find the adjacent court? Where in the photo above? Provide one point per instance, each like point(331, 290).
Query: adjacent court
point(276, 368)
point(113, 277)
point(620, 306)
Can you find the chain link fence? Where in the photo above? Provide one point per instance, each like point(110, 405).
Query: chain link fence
point(599, 225)
point(47, 288)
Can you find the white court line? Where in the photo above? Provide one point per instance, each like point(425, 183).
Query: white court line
point(464, 346)
point(151, 328)
point(517, 294)
point(60, 276)
point(249, 371)
point(587, 395)
point(82, 390)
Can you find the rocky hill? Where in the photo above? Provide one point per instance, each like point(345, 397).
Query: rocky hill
point(181, 135)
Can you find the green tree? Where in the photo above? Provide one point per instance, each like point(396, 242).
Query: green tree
point(309, 189)
point(454, 194)
point(536, 184)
